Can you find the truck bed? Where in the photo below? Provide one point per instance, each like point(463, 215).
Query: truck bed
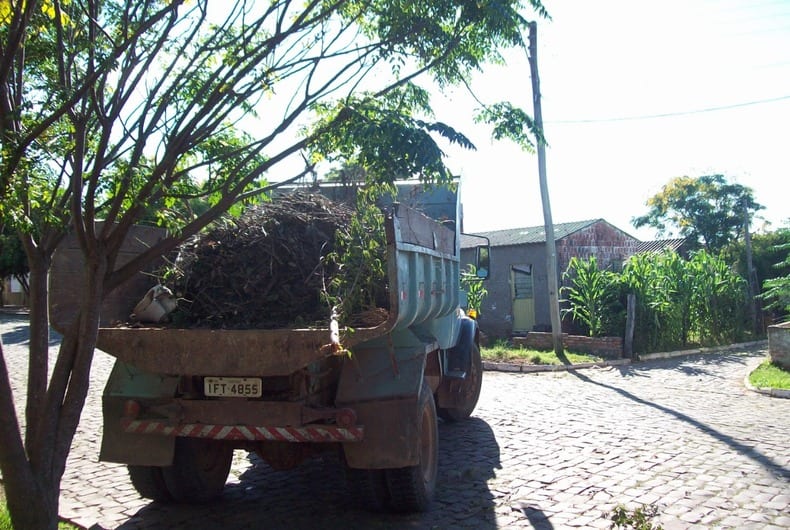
point(423, 269)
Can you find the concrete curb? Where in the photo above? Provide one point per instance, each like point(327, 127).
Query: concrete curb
point(698, 351)
point(536, 368)
point(771, 392)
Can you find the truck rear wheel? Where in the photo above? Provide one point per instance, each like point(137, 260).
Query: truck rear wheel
point(368, 488)
point(149, 483)
point(199, 471)
point(411, 488)
point(467, 390)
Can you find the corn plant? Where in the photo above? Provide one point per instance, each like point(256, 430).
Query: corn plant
point(719, 300)
point(642, 277)
point(591, 293)
point(474, 288)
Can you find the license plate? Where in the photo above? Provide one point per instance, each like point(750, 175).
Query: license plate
point(232, 386)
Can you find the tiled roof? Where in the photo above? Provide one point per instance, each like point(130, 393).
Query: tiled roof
point(521, 236)
point(660, 245)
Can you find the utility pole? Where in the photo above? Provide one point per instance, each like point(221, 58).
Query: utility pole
point(751, 281)
point(551, 247)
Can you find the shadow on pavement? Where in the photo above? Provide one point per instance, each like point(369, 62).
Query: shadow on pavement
point(766, 462)
point(17, 329)
point(313, 496)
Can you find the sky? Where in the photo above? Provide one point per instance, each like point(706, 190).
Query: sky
point(634, 93)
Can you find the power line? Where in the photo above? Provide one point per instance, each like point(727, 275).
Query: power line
point(671, 114)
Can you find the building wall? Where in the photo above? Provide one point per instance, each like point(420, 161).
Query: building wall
point(496, 315)
point(608, 244)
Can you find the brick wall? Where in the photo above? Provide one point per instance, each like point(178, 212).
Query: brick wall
point(606, 347)
point(609, 245)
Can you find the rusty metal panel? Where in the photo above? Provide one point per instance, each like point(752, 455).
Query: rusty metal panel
point(419, 229)
point(215, 352)
point(131, 448)
point(67, 279)
point(235, 411)
point(391, 435)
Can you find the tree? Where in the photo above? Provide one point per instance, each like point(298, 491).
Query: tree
point(708, 210)
point(776, 289)
point(12, 259)
point(108, 108)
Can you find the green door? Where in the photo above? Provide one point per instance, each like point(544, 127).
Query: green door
point(523, 299)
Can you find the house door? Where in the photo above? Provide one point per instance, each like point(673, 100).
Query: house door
point(523, 299)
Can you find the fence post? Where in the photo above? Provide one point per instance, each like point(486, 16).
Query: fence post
point(630, 324)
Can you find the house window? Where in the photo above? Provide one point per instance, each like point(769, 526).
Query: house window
point(522, 282)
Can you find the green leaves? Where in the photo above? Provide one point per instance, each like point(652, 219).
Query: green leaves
point(474, 288)
point(359, 257)
point(382, 137)
point(708, 210)
point(591, 294)
point(511, 123)
point(777, 290)
point(678, 301)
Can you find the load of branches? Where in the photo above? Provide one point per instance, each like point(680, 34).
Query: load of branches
point(276, 266)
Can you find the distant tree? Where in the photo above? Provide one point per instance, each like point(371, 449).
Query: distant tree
point(768, 254)
point(776, 290)
point(708, 210)
point(13, 262)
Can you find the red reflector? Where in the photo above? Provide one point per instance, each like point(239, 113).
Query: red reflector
point(346, 418)
point(131, 409)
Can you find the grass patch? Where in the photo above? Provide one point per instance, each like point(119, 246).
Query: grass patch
point(769, 375)
point(5, 517)
point(503, 351)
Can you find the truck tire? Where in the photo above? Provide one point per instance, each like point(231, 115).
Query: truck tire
point(468, 388)
point(368, 488)
point(149, 483)
point(199, 471)
point(411, 488)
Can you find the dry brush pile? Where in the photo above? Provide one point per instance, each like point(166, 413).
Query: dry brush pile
point(269, 268)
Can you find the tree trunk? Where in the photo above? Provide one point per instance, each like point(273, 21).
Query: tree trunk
point(38, 361)
point(551, 247)
point(32, 477)
point(30, 506)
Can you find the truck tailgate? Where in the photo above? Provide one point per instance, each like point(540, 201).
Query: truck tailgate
point(216, 352)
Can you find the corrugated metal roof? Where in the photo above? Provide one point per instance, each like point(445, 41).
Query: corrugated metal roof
point(522, 236)
point(659, 245)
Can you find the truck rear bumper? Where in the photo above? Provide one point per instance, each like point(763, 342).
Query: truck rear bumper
point(311, 433)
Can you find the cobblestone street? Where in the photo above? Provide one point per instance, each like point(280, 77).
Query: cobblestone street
point(547, 450)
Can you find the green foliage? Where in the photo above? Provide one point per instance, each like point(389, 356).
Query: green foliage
point(640, 518)
point(13, 261)
point(382, 137)
point(474, 288)
point(770, 375)
point(511, 123)
point(678, 301)
point(5, 517)
point(776, 290)
point(592, 294)
point(768, 254)
point(718, 301)
point(503, 351)
point(360, 256)
point(707, 210)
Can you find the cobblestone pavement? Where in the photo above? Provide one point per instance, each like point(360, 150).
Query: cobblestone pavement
point(546, 451)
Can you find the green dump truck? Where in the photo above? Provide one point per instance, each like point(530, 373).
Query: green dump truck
point(178, 402)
